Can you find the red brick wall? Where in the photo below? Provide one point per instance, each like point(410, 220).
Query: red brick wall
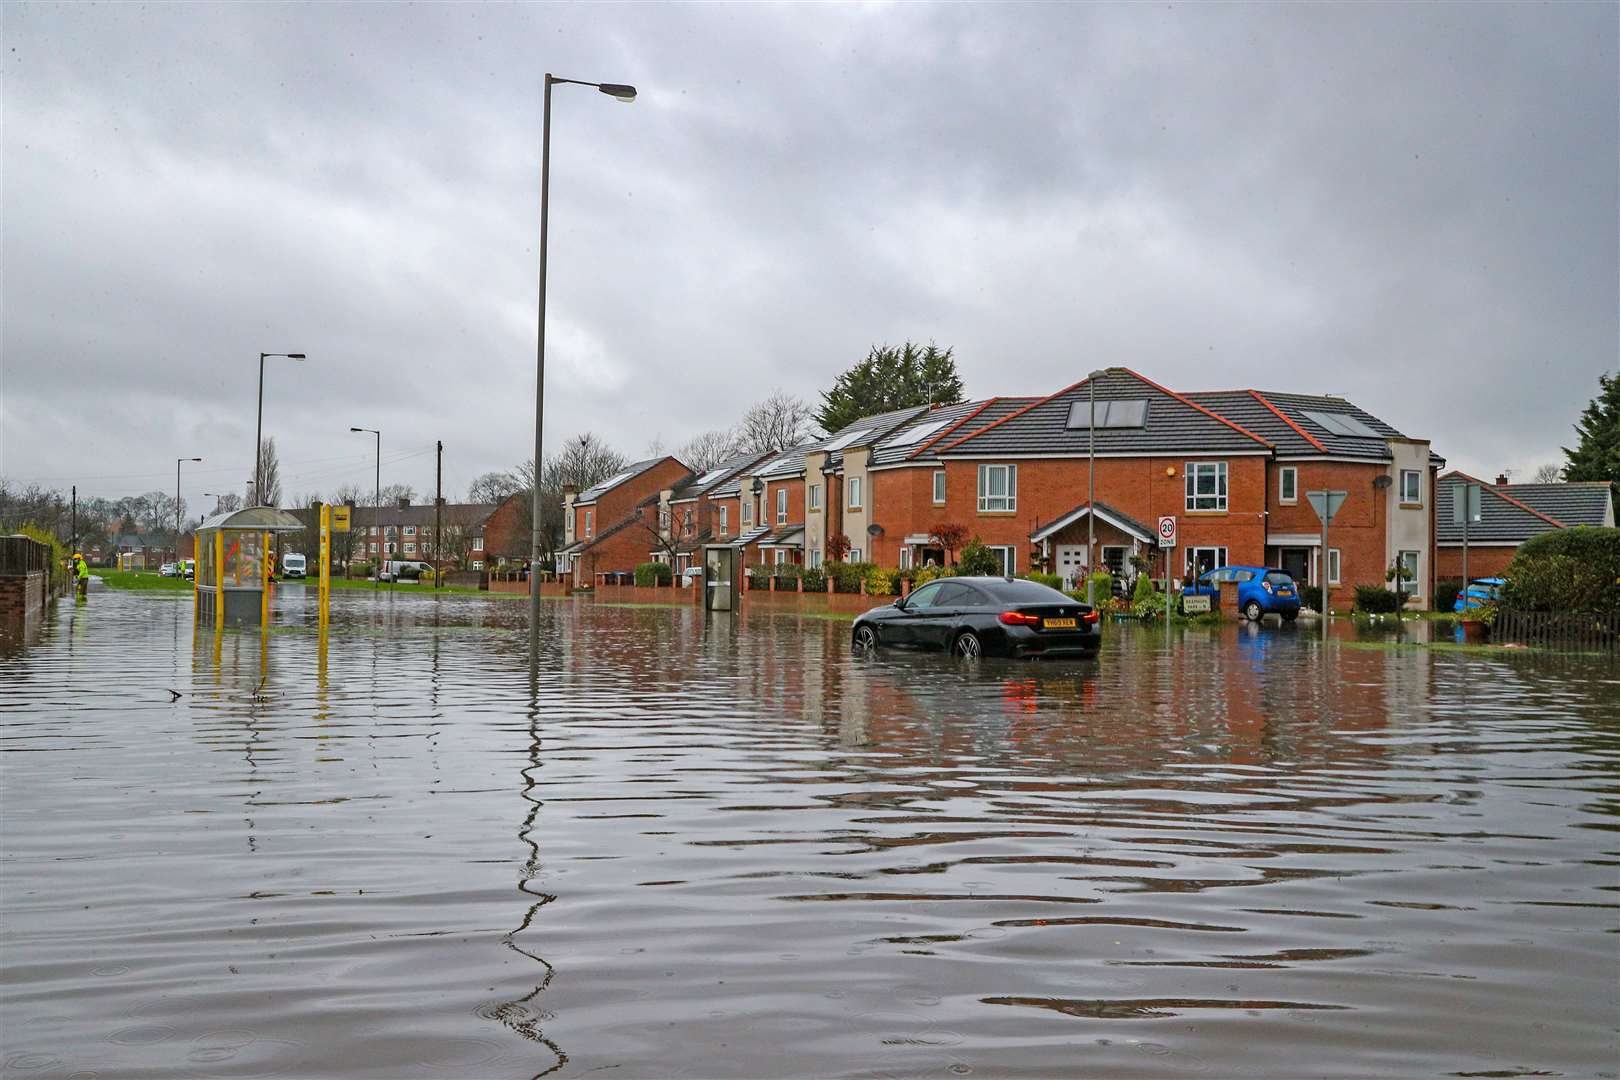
point(1482, 561)
point(1359, 529)
point(621, 502)
point(507, 532)
point(22, 596)
point(795, 502)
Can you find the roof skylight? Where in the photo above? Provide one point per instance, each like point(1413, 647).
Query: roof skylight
point(1110, 414)
point(915, 435)
point(846, 438)
point(711, 476)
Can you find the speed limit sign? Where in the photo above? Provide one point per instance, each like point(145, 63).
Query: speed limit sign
point(1167, 531)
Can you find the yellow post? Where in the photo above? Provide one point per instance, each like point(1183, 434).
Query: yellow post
point(196, 561)
point(219, 581)
point(324, 594)
point(264, 582)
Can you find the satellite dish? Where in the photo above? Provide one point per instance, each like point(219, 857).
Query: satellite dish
point(874, 530)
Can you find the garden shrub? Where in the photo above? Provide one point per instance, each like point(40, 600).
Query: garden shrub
point(1374, 599)
point(1104, 587)
point(654, 573)
point(58, 571)
point(815, 580)
point(924, 574)
point(883, 582)
point(1310, 596)
point(1445, 593)
point(1576, 569)
point(1051, 581)
point(978, 561)
point(759, 577)
point(847, 577)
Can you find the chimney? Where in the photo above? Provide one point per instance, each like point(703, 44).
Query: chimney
point(404, 503)
point(1501, 479)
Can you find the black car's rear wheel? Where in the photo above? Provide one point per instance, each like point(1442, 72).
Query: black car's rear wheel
point(967, 644)
point(865, 639)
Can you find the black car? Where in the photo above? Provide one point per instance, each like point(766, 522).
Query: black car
point(983, 616)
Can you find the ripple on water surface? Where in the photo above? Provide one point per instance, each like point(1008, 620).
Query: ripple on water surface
point(728, 848)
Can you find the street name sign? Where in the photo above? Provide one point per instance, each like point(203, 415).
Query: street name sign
point(1167, 531)
point(1195, 605)
point(1326, 503)
point(1465, 495)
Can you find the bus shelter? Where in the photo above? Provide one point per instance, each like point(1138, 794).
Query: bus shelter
point(234, 561)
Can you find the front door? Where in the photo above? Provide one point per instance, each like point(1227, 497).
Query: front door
point(1296, 563)
point(1070, 560)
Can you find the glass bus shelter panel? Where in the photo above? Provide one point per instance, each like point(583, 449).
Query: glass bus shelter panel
point(244, 560)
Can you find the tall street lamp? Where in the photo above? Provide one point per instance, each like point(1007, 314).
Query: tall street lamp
point(258, 430)
point(177, 462)
point(1091, 495)
point(625, 94)
point(376, 507)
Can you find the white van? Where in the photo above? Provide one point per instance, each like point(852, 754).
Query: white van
point(292, 565)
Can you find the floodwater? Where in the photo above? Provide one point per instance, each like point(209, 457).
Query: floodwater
point(731, 849)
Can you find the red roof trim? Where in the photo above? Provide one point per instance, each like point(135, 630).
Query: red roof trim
point(1200, 408)
point(953, 427)
point(1504, 496)
point(1308, 437)
point(1016, 412)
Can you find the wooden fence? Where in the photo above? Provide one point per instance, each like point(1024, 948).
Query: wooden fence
point(23, 555)
point(1559, 630)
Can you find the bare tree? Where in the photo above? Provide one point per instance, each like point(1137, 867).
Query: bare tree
point(585, 461)
point(392, 493)
point(703, 452)
point(227, 502)
point(267, 477)
point(1548, 474)
point(778, 422)
point(493, 487)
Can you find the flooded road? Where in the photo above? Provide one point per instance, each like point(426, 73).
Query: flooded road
point(734, 850)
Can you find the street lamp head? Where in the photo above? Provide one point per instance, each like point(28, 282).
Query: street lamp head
point(193, 459)
point(618, 91)
point(357, 429)
point(295, 356)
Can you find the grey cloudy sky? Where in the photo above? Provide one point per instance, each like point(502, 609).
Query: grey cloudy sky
point(1413, 205)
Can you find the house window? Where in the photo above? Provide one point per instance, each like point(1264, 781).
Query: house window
point(815, 496)
point(478, 543)
point(390, 530)
point(410, 549)
point(390, 548)
point(686, 522)
point(1206, 485)
point(373, 531)
point(998, 488)
point(781, 506)
point(1288, 484)
point(905, 558)
point(1201, 560)
point(781, 556)
point(1005, 554)
point(410, 530)
point(663, 520)
point(725, 520)
point(590, 525)
point(939, 487)
point(1411, 487)
point(373, 547)
point(1333, 566)
point(815, 559)
point(747, 512)
point(852, 493)
point(1408, 583)
point(854, 554)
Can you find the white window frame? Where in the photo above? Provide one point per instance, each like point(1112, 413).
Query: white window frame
point(814, 496)
point(373, 546)
point(590, 525)
point(1190, 560)
point(1196, 469)
point(478, 543)
point(748, 512)
point(854, 554)
point(410, 530)
point(1008, 555)
point(1005, 503)
point(1410, 588)
point(1335, 567)
point(780, 557)
point(815, 559)
point(852, 494)
point(1417, 485)
point(725, 520)
point(1284, 474)
point(781, 505)
point(939, 487)
point(410, 549)
point(905, 556)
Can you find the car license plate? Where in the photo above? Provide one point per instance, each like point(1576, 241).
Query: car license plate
point(1058, 624)
point(1285, 592)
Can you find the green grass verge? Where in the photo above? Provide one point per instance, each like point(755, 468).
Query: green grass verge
point(147, 580)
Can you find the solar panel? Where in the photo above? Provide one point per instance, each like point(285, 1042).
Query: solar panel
point(847, 438)
point(711, 476)
point(918, 433)
point(1110, 414)
point(1340, 424)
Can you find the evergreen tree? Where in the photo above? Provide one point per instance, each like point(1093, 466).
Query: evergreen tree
point(1598, 455)
point(891, 378)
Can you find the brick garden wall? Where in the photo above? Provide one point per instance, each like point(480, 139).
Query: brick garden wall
point(22, 596)
point(1482, 561)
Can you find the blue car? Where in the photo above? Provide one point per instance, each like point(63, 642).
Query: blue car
point(1260, 590)
point(1480, 591)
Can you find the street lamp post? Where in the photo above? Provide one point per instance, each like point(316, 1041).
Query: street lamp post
point(258, 430)
point(376, 508)
point(625, 94)
point(177, 462)
point(1091, 494)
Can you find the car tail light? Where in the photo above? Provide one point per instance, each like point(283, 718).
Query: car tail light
point(1266, 585)
point(1090, 616)
point(1018, 618)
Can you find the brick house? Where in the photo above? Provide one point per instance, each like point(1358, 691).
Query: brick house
point(608, 528)
point(702, 510)
point(402, 532)
point(1232, 467)
point(1510, 514)
point(771, 506)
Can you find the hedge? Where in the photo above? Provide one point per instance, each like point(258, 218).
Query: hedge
point(1376, 600)
point(815, 580)
point(654, 573)
point(1575, 570)
point(978, 561)
point(1310, 596)
point(847, 577)
point(1051, 581)
point(1445, 593)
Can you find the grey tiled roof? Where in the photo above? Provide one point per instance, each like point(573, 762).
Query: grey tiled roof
point(751, 535)
point(465, 515)
point(1295, 406)
point(1173, 425)
point(876, 428)
point(1243, 407)
point(1573, 504)
point(785, 465)
point(887, 453)
point(730, 470)
point(1504, 518)
point(623, 476)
